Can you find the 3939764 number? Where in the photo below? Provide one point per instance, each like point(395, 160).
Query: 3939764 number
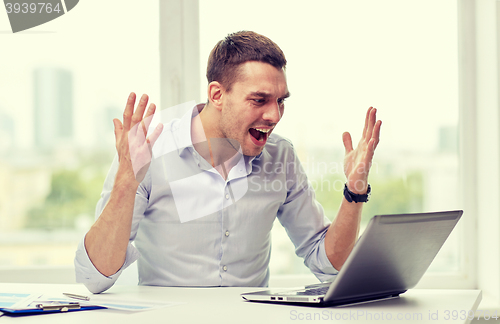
point(470, 314)
point(32, 8)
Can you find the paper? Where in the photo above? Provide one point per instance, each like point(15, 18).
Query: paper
point(15, 301)
point(127, 305)
point(30, 301)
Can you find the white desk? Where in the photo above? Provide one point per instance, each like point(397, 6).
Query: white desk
point(225, 305)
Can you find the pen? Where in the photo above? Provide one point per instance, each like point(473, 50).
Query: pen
point(80, 297)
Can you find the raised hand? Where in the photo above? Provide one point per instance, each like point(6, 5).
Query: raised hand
point(133, 147)
point(357, 162)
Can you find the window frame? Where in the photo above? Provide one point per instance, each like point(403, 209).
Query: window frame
point(465, 278)
point(479, 46)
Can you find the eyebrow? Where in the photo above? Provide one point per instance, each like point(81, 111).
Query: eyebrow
point(267, 95)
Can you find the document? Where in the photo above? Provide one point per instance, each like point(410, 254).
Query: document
point(13, 300)
point(15, 303)
point(112, 302)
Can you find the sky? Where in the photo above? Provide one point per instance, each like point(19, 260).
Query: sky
point(399, 56)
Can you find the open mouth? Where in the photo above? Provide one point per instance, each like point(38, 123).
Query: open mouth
point(259, 135)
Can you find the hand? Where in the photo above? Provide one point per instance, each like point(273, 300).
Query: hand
point(357, 162)
point(134, 149)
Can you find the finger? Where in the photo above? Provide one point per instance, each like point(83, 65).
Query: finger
point(371, 123)
point(139, 111)
point(118, 131)
point(129, 111)
point(149, 117)
point(155, 134)
point(376, 132)
point(346, 138)
point(367, 118)
point(370, 152)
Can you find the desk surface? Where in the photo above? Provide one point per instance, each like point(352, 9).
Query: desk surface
point(225, 305)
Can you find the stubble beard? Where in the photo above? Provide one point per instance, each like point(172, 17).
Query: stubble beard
point(229, 130)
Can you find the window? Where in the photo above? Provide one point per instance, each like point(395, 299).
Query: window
point(344, 56)
point(61, 85)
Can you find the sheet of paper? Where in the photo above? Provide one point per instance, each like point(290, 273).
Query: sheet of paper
point(112, 302)
point(16, 301)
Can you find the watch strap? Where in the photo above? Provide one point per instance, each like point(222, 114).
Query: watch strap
point(353, 197)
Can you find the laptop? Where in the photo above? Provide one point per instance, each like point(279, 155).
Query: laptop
point(389, 258)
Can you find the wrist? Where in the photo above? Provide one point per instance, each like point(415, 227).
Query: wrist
point(125, 179)
point(359, 187)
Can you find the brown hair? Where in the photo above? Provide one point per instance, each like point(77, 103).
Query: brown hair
point(238, 48)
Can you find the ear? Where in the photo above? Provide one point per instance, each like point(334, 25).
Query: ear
point(216, 94)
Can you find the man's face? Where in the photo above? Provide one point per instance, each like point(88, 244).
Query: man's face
point(254, 105)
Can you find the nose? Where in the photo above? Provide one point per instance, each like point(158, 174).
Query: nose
point(272, 112)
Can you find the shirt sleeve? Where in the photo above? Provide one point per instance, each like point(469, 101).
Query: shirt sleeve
point(85, 270)
point(304, 221)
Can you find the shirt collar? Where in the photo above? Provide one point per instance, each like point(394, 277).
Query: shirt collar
point(183, 136)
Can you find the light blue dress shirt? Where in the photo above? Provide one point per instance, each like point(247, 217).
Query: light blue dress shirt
point(191, 227)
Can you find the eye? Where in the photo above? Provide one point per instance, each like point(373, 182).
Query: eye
point(281, 101)
point(259, 101)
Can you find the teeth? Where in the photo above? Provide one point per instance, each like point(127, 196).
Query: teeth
point(263, 130)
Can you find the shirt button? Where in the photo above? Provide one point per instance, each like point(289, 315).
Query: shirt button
point(224, 268)
point(227, 196)
point(227, 233)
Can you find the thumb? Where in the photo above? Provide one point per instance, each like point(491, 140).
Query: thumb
point(346, 138)
point(118, 129)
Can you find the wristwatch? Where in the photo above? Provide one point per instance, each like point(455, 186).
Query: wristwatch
point(351, 196)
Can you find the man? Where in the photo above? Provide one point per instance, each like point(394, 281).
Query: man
point(201, 211)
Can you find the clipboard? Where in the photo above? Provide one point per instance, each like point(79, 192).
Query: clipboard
point(21, 304)
point(48, 309)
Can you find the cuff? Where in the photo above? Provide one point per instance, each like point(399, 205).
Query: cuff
point(323, 270)
point(87, 273)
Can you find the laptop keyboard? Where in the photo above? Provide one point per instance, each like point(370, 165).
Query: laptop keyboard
point(311, 290)
point(314, 291)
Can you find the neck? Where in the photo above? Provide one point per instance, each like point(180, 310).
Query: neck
point(221, 152)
